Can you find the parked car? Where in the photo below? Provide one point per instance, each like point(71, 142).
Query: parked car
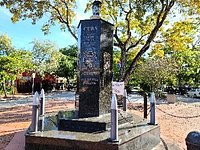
point(193, 93)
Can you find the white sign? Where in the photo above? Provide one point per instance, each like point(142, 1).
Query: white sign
point(118, 88)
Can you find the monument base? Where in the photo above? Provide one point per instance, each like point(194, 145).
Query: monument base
point(133, 135)
point(90, 124)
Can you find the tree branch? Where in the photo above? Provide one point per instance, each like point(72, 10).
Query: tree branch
point(119, 42)
point(160, 19)
point(61, 19)
point(136, 43)
point(122, 8)
point(128, 27)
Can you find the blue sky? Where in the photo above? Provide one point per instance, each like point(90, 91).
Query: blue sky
point(23, 33)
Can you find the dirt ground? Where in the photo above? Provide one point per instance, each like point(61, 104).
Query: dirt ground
point(175, 122)
point(16, 119)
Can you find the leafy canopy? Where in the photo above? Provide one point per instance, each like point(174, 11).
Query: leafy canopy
point(45, 57)
point(12, 61)
point(68, 63)
point(139, 25)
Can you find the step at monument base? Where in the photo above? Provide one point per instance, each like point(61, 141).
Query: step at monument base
point(90, 124)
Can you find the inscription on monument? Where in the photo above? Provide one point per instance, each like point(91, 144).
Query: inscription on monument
point(90, 35)
point(89, 59)
point(89, 80)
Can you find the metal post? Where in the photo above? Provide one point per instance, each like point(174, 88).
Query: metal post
point(33, 77)
point(34, 125)
point(152, 108)
point(33, 87)
point(41, 123)
point(125, 100)
point(145, 104)
point(42, 103)
point(114, 120)
point(42, 110)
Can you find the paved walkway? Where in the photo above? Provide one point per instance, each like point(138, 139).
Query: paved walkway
point(66, 95)
point(18, 142)
point(28, 100)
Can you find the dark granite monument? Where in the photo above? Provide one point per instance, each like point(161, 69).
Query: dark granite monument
point(89, 127)
point(95, 67)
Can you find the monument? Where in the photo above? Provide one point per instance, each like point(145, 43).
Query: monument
point(88, 128)
point(95, 44)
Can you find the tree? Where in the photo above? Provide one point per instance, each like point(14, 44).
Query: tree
point(18, 62)
point(139, 25)
point(184, 49)
point(12, 62)
point(154, 72)
point(5, 45)
point(5, 48)
point(68, 63)
point(45, 57)
point(188, 63)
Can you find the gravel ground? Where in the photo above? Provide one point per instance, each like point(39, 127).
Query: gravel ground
point(175, 120)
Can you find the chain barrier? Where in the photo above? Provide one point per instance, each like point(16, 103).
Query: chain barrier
point(164, 143)
point(176, 116)
point(172, 115)
point(130, 121)
point(149, 111)
point(50, 119)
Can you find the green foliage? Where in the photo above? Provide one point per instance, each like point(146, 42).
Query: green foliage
point(188, 63)
point(12, 61)
point(5, 44)
point(45, 57)
point(155, 72)
point(165, 25)
point(180, 36)
point(68, 63)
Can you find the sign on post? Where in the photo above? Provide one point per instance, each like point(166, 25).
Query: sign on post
point(118, 88)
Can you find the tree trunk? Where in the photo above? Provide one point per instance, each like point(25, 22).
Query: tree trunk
point(68, 84)
point(123, 64)
point(13, 88)
point(4, 88)
point(131, 68)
